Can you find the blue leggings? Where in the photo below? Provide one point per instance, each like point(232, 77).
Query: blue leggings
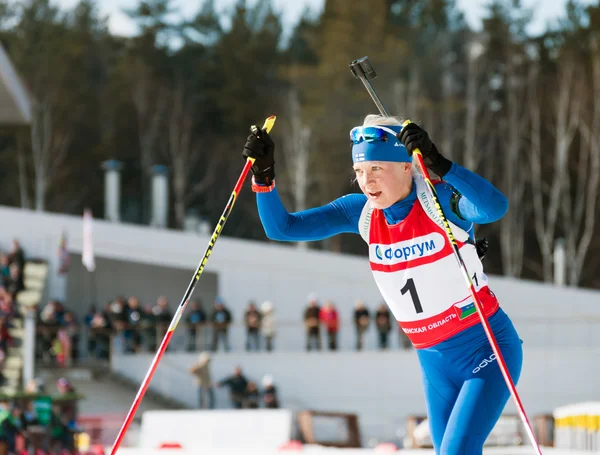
point(464, 387)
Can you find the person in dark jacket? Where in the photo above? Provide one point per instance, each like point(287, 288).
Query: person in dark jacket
point(269, 393)
point(252, 398)
point(237, 384)
point(221, 320)
point(361, 322)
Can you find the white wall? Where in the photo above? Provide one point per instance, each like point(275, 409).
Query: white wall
point(544, 315)
point(383, 388)
point(207, 430)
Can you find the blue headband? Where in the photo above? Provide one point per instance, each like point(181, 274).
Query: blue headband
point(378, 143)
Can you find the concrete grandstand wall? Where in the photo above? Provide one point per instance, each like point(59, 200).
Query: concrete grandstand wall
point(559, 326)
point(545, 315)
point(383, 388)
point(146, 281)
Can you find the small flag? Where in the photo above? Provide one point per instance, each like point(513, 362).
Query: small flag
point(87, 255)
point(465, 310)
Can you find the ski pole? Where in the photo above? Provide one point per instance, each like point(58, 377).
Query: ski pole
point(363, 70)
point(269, 122)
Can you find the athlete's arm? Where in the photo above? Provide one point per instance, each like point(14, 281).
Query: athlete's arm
point(339, 216)
point(474, 199)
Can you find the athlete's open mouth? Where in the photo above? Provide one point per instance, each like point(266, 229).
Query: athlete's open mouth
point(374, 195)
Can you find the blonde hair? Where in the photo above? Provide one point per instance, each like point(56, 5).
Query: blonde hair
point(377, 119)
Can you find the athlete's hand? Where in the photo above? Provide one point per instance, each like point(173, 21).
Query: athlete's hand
point(261, 147)
point(414, 137)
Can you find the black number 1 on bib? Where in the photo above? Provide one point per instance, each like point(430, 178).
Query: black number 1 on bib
point(410, 287)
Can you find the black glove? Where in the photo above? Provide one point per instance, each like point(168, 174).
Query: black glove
point(481, 245)
point(260, 146)
point(414, 137)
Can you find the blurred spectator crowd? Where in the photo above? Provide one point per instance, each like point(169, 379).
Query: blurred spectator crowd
point(143, 326)
point(11, 283)
point(140, 328)
point(244, 393)
point(40, 421)
point(326, 316)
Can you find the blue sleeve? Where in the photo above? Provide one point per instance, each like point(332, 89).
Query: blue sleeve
point(476, 199)
point(467, 198)
point(339, 216)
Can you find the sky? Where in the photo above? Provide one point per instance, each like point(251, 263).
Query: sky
point(119, 23)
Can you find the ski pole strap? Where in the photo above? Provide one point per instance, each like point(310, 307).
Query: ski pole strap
point(262, 188)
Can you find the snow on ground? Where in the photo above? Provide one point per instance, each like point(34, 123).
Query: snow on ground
point(316, 450)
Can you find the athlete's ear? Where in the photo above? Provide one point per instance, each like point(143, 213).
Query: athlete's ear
point(407, 167)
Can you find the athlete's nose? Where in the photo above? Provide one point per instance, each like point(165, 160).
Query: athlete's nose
point(369, 177)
